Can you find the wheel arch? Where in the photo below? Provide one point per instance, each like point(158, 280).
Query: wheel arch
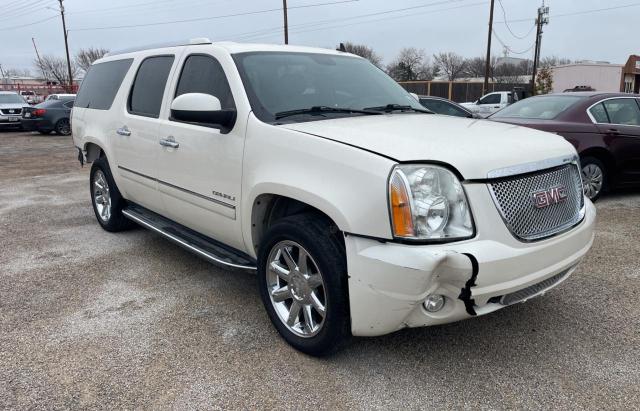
point(607, 159)
point(269, 207)
point(93, 151)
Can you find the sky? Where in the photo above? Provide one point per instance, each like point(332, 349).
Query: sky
point(386, 26)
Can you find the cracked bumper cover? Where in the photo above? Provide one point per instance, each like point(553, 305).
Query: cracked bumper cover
point(388, 282)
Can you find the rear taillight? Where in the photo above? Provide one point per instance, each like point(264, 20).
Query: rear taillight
point(39, 112)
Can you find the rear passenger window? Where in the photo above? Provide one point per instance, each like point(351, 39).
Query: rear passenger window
point(101, 84)
point(623, 111)
point(146, 93)
point(204, 74)
point(599, 113)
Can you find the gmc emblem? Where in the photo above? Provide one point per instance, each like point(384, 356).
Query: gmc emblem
point(545, 198)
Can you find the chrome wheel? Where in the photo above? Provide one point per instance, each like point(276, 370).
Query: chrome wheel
point(592, 180)
point(101, 196)
point(296, 289)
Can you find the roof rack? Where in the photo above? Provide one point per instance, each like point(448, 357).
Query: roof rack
point(189, 42)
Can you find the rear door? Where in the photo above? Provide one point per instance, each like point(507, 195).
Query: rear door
point(622, 133)
point(135, 134)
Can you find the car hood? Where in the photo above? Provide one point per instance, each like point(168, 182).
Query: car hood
point(13, 105)
point(474, 147)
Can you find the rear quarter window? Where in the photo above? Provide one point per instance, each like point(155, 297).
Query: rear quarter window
point(101, 84)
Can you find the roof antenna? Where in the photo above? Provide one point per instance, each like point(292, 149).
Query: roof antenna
point(342, 48)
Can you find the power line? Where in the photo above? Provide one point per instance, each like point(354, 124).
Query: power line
point(509, 47)
point(305, 27)
point(29, 24)
point(504, 14)
point(159, 23)
point(576, 13)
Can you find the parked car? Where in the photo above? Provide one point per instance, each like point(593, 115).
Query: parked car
point(603, 127)
point(11, 106)
point(489, 103)
point(362, 212)
point(51, 115)
point(444, 106)
point(60, 96)
point(30, 97)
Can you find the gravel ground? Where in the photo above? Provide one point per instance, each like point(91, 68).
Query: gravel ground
point(90, 319)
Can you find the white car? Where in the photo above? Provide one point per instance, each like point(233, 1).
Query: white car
point(490, 103)
point(361, 212)
point(60, 97)
point(11, 106)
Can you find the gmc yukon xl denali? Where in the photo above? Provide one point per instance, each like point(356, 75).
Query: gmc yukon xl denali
point(361, 212)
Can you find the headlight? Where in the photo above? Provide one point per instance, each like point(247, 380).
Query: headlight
point(428, 202)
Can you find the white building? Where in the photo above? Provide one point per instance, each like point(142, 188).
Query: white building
point(600, 76)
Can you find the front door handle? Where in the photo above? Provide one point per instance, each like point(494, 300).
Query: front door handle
point(169, 142)
point(123, 131)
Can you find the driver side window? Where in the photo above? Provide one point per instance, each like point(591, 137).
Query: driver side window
point(490, 99)
point(204, 74)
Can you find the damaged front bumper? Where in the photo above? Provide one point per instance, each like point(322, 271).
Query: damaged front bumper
point(389, 282)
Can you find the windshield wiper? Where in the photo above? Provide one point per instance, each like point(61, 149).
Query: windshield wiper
point(398, 107)
point(321, 110)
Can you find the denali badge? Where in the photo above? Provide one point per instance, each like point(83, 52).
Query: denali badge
point(545, 198)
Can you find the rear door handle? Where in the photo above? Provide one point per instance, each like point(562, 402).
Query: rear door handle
point(123, 131)
point(613, 131)
point(169, 142)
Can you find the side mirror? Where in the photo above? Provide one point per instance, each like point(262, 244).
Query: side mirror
point(202, 109)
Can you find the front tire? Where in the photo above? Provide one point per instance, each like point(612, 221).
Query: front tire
point(106, 198)
point(302, 279)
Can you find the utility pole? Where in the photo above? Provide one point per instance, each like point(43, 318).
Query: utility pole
point(66, 46)
point(38, 56)
point(543, 18)
point(286, 22)
point(485, 86)
point(4, 79)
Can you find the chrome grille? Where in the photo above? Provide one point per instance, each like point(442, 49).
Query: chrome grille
point(532, 290)
point(11, 111)
point(514, 198)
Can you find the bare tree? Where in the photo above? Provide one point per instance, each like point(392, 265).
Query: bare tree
point(365, 52)
point(474, 67)
point(452, 65)
point(54, 68)
point(411, 64)
point(86, 57)
point(14, 72)
point(550, 61)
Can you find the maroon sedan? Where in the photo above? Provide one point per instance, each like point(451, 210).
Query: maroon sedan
point(603, 127)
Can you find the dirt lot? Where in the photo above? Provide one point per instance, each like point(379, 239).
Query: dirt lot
point(93, 319)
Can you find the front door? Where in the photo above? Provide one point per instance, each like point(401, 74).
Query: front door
point(200, 169)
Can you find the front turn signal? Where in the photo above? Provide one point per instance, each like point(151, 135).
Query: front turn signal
point(402, 219)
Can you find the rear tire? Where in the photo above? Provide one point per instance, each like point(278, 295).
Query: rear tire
point(302, 280)
point(63, 127)
point(106, 198)
point(594, 177)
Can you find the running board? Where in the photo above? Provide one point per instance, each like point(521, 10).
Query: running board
point(208, 248)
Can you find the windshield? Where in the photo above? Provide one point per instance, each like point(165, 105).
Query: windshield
point(11, 99)
point(279, 82)
point(543, 107)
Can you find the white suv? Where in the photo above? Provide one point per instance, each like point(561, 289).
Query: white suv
point(362, 212)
